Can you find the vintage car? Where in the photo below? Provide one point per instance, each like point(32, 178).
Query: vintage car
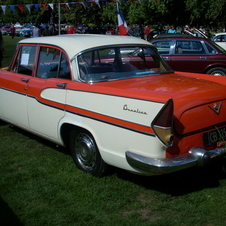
point(192, 54)
point(111, 106)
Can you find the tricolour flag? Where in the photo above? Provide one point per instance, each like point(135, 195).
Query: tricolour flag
point(122, 26)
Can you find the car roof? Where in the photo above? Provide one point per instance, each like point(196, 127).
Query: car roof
point(221, 33)
point(180, 37)
point(76, 43)
point(165, 35)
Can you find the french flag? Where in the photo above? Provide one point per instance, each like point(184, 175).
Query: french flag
point(122, 26)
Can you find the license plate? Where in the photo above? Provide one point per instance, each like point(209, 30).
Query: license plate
point(214, 136)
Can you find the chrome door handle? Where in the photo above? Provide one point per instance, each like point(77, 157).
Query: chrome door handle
point(26, 80)
point(203, 58)
point(61, 85)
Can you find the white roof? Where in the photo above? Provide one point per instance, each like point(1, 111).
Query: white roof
point(76, 43)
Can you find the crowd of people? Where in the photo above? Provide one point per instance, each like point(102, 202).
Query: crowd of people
point(146, 32)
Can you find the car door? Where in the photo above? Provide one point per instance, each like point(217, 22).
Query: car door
point(190, 56)
point(14, 83)
point(46, 92)
point(43, 73)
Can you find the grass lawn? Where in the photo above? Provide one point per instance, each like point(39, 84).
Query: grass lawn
point(40, 185)
point(9, 46)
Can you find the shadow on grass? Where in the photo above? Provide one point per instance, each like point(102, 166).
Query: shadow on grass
point(178, 183)
point(7, 216)
point(41, 140)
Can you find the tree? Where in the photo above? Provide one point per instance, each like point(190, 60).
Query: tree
point(209, 13)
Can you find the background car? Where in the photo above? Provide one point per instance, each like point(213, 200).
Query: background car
point(5, 30)
point(192, 54)
point(26, 31)
point(220, 39)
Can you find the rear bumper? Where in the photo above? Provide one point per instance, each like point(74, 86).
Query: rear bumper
point(159, 166)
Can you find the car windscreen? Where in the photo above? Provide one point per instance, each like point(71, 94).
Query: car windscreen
point(120, 62)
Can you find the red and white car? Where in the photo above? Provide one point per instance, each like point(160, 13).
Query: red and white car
point(109, 106)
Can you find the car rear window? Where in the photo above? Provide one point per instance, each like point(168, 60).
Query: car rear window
point(119, 63)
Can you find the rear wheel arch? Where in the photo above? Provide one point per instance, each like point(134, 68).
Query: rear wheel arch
point(83, 149)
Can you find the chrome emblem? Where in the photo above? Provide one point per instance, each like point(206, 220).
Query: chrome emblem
point(216, 107)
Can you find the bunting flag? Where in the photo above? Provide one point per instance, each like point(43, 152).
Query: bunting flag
point(78, 3)
point(21, 8)
point(67, 4)
point(3, 8)
point(83, 4)
point(45, 6)
point(122, 26)
point(13, 8)
point(28, 6)
point(51, 6)
point(97, 2)
point(36, 6)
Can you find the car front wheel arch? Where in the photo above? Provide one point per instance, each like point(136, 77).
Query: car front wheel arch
point(219, 71)
point(85, 152)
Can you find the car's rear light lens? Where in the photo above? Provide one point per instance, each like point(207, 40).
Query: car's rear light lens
point(162, 124)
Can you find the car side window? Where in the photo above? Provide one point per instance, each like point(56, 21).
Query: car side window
point(163, 46)
point(52, 63)
point(220, 38)
point(186, 47)
point(25, 60)
point(211, 49)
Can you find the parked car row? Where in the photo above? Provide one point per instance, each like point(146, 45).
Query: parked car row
point(113, 100)
point(24, 31)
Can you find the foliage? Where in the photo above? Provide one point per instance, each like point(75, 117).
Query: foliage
point(208, 13)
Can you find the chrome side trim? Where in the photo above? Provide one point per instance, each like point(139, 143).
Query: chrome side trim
point(158, 166)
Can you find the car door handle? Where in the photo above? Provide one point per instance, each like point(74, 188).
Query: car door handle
point(165, 58)
point(26, 80)
point(203, 58)
point(61, 85)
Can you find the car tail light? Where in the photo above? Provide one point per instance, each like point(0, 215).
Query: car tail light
point(162, 124)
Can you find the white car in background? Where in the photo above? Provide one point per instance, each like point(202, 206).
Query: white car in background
point(220, 39)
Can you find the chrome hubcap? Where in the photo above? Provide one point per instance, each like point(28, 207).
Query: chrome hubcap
point(85, 151)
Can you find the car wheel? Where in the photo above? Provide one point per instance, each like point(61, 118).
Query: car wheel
point(220, 71)
point(85, 153)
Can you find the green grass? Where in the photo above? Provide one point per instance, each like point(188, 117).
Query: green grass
point(40, 185)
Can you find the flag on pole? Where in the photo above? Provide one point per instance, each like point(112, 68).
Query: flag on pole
point(122, 26)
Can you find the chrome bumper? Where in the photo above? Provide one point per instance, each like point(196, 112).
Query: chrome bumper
point(158, 166)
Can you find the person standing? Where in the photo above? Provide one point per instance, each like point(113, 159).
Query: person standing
point(146, 32)
point(71, 30)
point(12, 30)
point(172, 30)
point(35, 31)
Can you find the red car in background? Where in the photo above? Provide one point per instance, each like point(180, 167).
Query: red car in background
point(191, 54)
point(5, 30)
